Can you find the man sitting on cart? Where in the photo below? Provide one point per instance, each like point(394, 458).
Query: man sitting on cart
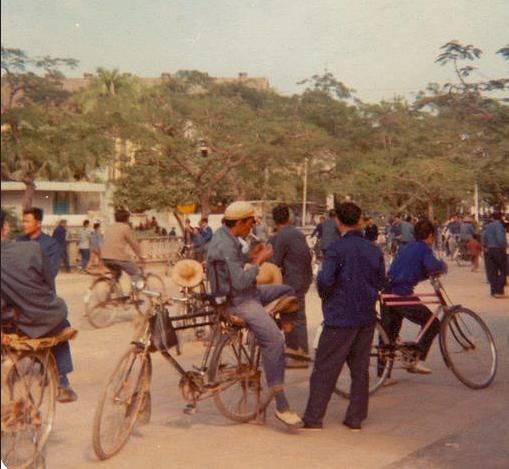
point(27, 285)
point(228, 277)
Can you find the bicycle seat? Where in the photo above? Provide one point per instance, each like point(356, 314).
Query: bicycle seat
point(24, 343)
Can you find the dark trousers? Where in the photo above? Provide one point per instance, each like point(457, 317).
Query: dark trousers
point(62, 352)
point(496, 269)
point(392, 318)
point(85, 257)
point(64, 257)
point(298, 336)
point(336, 346)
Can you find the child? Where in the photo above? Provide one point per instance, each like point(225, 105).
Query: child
point(474, 251)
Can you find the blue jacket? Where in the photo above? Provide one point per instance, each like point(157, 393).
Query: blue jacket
point(353, 272)
point(494, 235)
point(414, 263)
point(50, 248)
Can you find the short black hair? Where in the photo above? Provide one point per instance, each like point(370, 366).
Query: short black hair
point(3, 216)
point(86, 223)
point(205, 219)
point(97, 225)
point(122, 215)
point(348, 213)
point(496, 216)
point(35, 211)
point(332, 213)
point(423, 228)
point(281, 214)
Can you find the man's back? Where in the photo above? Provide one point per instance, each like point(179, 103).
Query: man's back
point(407, 232)
point(292, 254)
point(116, 239)
point(27, 284)
point(352, 274)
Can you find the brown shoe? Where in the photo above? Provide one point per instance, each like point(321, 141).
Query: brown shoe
point(293, 363)
point(66, 394)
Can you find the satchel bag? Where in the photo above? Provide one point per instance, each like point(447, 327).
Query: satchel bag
point(162, 331)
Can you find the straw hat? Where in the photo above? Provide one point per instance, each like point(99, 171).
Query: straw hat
point(187, 273)
point(269, 274)
point(239, 210)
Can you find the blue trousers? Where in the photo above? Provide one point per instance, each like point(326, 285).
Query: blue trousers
point(85, 257)
point(264, 328)
point(62, 353)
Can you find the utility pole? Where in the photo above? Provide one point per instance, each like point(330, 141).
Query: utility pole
point(476, 199)
point(304, 192)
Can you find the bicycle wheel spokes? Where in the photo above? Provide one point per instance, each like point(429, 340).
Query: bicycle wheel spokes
point(28, 408)
point(380, 365)
point(100, 305)
point(242, 392)
point(468, 348)
point(121, 402)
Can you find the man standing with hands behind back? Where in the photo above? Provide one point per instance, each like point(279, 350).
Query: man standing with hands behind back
point(353, 273)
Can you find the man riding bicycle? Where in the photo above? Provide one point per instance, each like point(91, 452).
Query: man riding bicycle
point(117, 237)
point(225, 264)
point(413, 263)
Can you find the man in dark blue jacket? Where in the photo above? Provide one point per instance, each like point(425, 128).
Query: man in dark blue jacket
point(353, 273)
point(32, 227)
point(415, 262)
point(60, 236)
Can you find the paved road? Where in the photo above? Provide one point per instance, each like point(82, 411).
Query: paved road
point(422, 422)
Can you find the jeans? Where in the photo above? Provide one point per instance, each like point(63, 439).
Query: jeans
point(265, 330)
point(85, 257)
point(336, 346)
point(496, 269)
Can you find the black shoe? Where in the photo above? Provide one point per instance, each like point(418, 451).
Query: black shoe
point(311, 428)
point(66, 394)
point(352, 427)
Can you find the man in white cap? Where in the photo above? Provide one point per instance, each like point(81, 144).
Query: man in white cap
point(228, 278)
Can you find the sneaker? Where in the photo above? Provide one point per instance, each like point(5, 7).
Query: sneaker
point(290, 418)
point(292, 363)
point(419, 368)
point(311, 428)
point(352, 427)
point(66, 394)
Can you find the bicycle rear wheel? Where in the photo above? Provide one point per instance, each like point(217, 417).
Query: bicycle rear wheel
point(380, 365)
point(468, 348)
point(235, 367)
point(100, 307)
point(123, 397)
point(29, 387)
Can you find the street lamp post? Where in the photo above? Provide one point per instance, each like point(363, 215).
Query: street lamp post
point(304, 192)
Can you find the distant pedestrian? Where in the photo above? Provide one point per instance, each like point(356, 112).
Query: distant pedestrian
point(84, 236)
point(330, 232)
point(352, 275)
point(474, 251)
point(96, 241)
point(60, 236)
point(370, 230)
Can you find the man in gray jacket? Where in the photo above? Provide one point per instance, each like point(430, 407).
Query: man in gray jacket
point(27, 285)
point(228, 277)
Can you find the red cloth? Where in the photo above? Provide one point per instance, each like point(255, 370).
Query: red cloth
point(474, 247)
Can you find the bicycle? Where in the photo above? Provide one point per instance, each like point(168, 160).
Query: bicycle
point(105, 297)
point(29, 389)
point(466, 343)
point(229, 371)
point(183, 251)
point(460, 254)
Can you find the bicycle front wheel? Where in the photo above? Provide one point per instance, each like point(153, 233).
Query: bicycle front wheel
point(380, 365)
point(100, 308)
point(468, 348)
point(124, 396)
point(242, 392)
point(29, 387)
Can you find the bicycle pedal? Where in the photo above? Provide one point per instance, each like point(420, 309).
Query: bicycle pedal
point(189, 409)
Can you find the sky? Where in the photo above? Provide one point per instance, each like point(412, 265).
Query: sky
point(381, 48)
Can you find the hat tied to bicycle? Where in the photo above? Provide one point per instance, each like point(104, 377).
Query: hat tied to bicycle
point(187, 273)
point(269, 274)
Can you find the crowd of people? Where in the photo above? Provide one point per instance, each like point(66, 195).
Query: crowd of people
point(353, 274)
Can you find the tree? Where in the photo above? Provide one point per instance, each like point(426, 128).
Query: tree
point(42, 136)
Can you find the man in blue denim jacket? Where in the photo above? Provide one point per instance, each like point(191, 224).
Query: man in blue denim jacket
point(353, 273)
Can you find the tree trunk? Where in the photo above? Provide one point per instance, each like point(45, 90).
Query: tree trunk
point(205, 203)
point(28, 196)
point(431, 211)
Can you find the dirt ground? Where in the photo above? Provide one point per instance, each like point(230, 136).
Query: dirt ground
point(422, 422)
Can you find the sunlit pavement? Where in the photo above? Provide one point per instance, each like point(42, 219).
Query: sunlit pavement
point(422, 422)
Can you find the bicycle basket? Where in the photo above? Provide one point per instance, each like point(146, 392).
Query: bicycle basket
point(162, 331)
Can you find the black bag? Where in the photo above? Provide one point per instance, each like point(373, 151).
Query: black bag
point(162, 331)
